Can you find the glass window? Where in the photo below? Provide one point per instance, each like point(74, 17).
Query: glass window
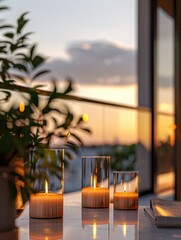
point(165, 127)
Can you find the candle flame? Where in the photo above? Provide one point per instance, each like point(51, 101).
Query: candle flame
point(94, 230)
point(46, 186)
point(124, 187)
point(124, 229)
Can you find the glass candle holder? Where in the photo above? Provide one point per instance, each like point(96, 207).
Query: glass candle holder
point(125, 190)
point(48, 202)
point(95, 181)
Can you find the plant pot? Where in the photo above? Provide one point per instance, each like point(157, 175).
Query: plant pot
point(7, 203)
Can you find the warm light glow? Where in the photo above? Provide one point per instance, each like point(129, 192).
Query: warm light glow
point(21, 135)
point(164, 107)
point(172, 134)
point(46, 186)
point(163, 212)
point(21, 106)
point(124, 187)
point(173, 126)
point(94, 230)
point(124, 229)
point(85, 117)
point(95, 181)
point(166, 179)
point(68, 134)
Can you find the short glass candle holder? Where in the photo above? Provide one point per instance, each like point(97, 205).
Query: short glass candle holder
point(125, 190)
point(49, 166)
point(95, 181)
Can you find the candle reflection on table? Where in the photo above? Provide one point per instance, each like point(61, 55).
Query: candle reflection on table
point(95, 222)
point(126, 225)
point(46, 229)
point(124, 229)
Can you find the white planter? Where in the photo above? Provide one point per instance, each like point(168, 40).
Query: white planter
point(7, 204)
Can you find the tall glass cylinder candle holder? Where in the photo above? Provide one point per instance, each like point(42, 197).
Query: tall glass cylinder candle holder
point(95, 181)
point(125, 190)
point(49, 166)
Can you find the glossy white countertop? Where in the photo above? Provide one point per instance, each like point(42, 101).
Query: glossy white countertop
point(78, 223)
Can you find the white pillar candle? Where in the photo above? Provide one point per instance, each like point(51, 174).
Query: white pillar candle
point(95, 197)
point(46, 205)
point(126, 200)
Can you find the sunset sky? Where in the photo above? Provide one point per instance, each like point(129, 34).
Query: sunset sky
point(92, 41)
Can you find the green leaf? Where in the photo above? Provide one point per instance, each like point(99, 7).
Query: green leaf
point(25, 194)
point(34, 98)
point(20, 67)
point(69, 87)
point(76, 137)
point(38, 86)
point(37, 61)
point(21, 22)
point(4, 8)
point(86, 130)
point(17, 76)
point(32, 50)
point(6, 26)
point(13, 47)
point(24, 37)
point(46, 110)
point(40, 73)
point(9, 35)
point(8, 95)
point(80, 120)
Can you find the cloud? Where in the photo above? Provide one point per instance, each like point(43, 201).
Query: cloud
point(98, 62)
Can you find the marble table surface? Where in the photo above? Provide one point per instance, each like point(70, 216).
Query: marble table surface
point(82, 223)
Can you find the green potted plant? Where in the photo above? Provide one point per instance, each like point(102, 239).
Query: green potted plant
point(29, 116)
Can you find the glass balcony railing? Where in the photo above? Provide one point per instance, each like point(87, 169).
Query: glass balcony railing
point(123, 133)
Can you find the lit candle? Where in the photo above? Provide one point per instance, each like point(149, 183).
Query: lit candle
point(46, 205)
point(95, 197)
point(126, 200)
